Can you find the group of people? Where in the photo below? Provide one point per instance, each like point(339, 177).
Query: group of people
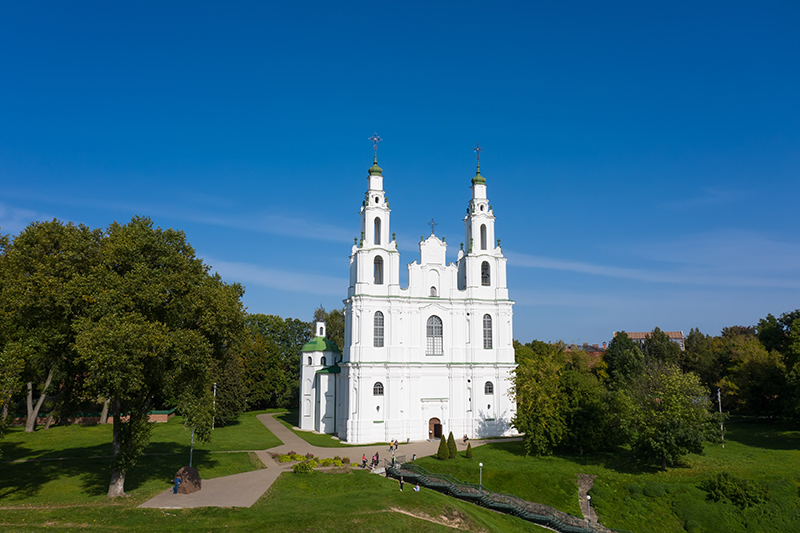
point(374, 463)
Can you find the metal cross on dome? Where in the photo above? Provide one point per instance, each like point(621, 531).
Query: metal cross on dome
point(478, 151)
point(375, 140)
point(432, 224)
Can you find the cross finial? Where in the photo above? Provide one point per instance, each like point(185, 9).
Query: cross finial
point(432, 224)
point(375, 140)
point(478, 151)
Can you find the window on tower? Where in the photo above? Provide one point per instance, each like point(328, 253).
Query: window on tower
point(377, 230)
point(488, 388)
point(377, 389)
point(483, 236)
point(433, 291)
point(487, 331)
point(378, 330)
point(434, 336)
point(486, 278)
point(378, 270)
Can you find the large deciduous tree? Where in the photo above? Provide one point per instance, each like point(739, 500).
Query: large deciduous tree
point(539, 396)
point(45, 271)
point(624, 360)
point(335, 324)
point(671, 416)
point(658, 347)
point(157, 323)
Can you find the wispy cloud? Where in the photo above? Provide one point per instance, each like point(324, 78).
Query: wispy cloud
point(250, 274)
point(726, 259)
point(15, 219)
point(707, 197)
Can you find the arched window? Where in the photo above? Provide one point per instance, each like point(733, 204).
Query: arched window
point(488, 388)
point(377, 389)
point(378, 331)
point(486, 278)
point(310, 361)
point(322, 361)
point(483, 236)
point(320, 331)
point(487, 331)
point(433, 291)
point(378, 270)
point(434, 335)
point(377, 230)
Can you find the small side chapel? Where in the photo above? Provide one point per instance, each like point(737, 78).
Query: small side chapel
point(421, 361)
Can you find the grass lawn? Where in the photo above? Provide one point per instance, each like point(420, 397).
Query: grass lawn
point(643, 499)
point(84, 475)
point(290, 420)
point(356, 502)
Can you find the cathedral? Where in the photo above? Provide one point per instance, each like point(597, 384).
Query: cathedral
point(421, 361)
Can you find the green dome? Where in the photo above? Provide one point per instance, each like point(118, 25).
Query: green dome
point(321, 344)
point(375, 170)
point(478, 179)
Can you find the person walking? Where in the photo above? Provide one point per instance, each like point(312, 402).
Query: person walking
point(177, 482)
point(364, 460)
point(401, 483)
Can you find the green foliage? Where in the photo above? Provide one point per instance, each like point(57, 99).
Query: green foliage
point(658, 348)
point(451, 446)
point(469, 451)
point(231, 390)
point(741, 492)
point(701, 357)
point(271, 359)
point(443, 452)
point(755, 378)
point(671, 414)
point(539, 396)
point(624, 360)
point(304, 467)
point(595, 418)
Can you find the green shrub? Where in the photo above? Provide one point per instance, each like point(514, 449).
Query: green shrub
point(469, 451)
point(741, 492)
point(337, 462)
point(451, 446)
point(444, 451)
point(304, 467)
point(284, 458)
point(298, 457)
point(633, 488)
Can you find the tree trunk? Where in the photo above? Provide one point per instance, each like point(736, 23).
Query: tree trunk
point(33, 411)
point(104, 413)
point(663, 462)
point(49, 421)
point(117, 485)
point(5, 411)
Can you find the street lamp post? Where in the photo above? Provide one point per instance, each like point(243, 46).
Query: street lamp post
point(589, 505)
point(214, 407)
point(481, 476)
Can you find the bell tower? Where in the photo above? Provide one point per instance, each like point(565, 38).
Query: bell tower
point(482, 266)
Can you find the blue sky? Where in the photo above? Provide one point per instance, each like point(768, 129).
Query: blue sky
point(642, 160)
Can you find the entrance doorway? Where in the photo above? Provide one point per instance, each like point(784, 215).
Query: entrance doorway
point(434, 428)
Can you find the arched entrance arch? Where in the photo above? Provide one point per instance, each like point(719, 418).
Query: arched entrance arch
point(434, 428)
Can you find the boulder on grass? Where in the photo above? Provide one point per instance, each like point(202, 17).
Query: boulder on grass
point(190, 480)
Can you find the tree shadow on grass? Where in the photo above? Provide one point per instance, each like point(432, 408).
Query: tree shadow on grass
point(88, 472)
point(292, 417)
point(759, 434)
point(620, 460)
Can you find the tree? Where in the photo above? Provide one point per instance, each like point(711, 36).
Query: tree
point(755, 378)
point(596, 418)
point(469, 451)
point(671, 416)
point(451, 446)
point(539, 397)
point(443, 452)
point(157, 322)
point(272, 361)
point(658, 347)
point(702, 357)
point(624, 360)
point(45, 269)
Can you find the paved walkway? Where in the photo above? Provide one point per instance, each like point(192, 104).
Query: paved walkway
point(243, 490)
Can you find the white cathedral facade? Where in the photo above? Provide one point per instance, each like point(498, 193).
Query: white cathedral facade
point(422, 361)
